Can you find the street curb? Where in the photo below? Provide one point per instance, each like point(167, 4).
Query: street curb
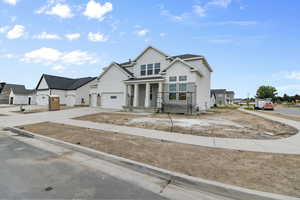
point(174, 178)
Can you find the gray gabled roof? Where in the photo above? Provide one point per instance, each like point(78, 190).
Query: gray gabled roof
point(185, 56)
point(218, 91)
point(63, 83)
point(124, 68)
point(18, 89)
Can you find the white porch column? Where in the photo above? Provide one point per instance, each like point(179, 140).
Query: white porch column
point(136, 95)
point(126, 95)
point(159, 95)
point(147, 96)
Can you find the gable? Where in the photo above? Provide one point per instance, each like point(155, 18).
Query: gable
point(147, 50)
point(113, 72)
point(43, 84)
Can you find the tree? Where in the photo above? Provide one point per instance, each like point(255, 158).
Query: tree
point(266, 92)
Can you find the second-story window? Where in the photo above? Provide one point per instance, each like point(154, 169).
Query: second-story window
point(157, 68)
point(143, 70)
point(150, 69)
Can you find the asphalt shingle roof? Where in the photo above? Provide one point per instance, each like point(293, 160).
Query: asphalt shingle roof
point(63, 83)
point(186, 56)
point(18, 89)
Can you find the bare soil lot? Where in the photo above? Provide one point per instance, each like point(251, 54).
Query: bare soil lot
point(282, 116)
point(219, 123)
point(277, 173)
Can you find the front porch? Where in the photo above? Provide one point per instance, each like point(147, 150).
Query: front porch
point(143, 94)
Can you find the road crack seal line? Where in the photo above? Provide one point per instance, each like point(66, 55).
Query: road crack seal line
point(165, 186)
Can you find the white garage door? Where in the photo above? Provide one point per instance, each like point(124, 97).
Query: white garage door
point(112, 100)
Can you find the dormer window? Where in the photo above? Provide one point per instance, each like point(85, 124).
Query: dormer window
point(143, 70)
point(150, 69)
point(157, 68)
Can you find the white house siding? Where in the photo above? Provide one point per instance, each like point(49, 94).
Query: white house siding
point(83, 93)
point(43, 84)
point(151, 56)
point(203, 84)
point(111, 82)
point(21, 99)
point(42, 97)
point(62, 96)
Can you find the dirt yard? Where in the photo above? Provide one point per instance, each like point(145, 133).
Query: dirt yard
point(267, 172)
point(282, 116)
point(219, 123)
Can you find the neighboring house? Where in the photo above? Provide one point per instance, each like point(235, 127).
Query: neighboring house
point(213, 99)
point(17, 95)
point(22, 96)
point(229, 97)
point(71, 92)
point(3, 99)
point(155, 80)
point(222, 97)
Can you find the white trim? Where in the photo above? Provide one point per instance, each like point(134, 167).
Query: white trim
point(145, 50)
point(118, 67)
point(143, 81)
point(192, 68)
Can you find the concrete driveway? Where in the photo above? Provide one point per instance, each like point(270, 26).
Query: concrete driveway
point(28, 172)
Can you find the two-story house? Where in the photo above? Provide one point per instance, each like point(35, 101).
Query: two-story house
point(155, 80)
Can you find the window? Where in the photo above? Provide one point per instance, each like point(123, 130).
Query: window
point(156, 68)
point(149, 69)
point(182, 78)
point(113, 97)
point(143, 70)
point(172, 96)
point(182, 96)
point(172, 78)
point(182, 87)
point(82, 101)
point(172, 87)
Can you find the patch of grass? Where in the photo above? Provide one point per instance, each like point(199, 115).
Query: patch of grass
point(248, 108)
point(227, 107)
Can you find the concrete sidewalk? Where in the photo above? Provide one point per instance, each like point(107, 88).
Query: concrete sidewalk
point(287, 146)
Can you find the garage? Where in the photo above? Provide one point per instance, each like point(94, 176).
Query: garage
point(112, 100)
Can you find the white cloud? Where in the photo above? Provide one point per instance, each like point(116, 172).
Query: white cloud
point(11, 2)
point(162, 34)
point(61, 10)
point(142, 32)
point(241, 23)
point(172, 17)
point(43, 55)
point(3, 29)
point(49, 56)
point(16, 32)
point(58, 68)
point(78, 58)
point(293, 75)
point(220, 3)
point(46, 36)
point(56, 7)
point(97, 37)
point(95, 10)
point(289, 89)
point(73, 36)
point(199, 10)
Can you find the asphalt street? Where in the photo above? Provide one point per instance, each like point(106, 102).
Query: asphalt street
point(27, 172)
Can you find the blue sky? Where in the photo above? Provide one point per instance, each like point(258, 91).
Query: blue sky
point(248, 43)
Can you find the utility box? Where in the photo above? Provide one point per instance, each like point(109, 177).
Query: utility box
point(54, 103)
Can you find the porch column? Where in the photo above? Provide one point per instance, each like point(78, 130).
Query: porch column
point(159, 95)
point(136, 95)
point(147, 96)
point(126, 95)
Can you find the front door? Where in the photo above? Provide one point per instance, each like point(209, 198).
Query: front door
point(11, 100)
point(29, 100)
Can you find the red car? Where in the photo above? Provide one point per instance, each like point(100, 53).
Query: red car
point(268, 106)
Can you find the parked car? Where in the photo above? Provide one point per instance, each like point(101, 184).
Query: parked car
point(263, 104)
